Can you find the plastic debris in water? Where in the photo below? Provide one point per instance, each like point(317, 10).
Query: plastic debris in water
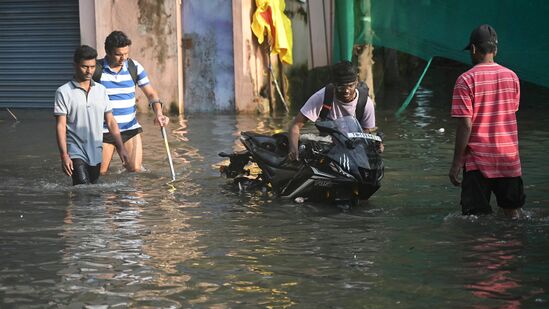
point(299, 200)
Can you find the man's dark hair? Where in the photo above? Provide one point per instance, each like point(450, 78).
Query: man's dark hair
point(116, 40)
point(344, 72)
point(84, 52)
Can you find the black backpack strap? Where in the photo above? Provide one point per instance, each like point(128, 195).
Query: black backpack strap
point(98, 70)
point(327, 102)
point(362, 100)
point(132, 68)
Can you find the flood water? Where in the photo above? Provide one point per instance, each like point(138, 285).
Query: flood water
point(133, 241)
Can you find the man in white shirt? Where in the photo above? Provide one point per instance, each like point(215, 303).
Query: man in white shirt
point(345, 101)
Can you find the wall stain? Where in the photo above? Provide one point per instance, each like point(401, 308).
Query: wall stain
point(154, 20)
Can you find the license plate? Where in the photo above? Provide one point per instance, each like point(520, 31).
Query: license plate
point(364, 135)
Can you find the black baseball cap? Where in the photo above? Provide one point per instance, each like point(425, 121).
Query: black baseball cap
point(482, 34)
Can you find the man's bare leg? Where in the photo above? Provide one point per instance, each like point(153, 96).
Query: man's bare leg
point(512, 213)
point(134, 148)
point(108, 151)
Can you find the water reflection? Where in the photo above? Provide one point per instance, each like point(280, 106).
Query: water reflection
point(422, 111)
point(492, 260)
point(495, 259)
point(496, 270)
point(180, 134)
point(102, 235)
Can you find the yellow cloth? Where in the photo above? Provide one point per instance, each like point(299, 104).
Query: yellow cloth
point(269, 16)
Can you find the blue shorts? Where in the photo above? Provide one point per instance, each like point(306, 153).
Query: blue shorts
point(476, 191)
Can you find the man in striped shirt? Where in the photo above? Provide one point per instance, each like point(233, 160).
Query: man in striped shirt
point(117, 77)
point(484, 102)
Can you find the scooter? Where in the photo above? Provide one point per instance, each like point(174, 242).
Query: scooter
point(343, 165)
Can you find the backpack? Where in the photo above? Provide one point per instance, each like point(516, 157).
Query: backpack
point(329, 94)
point(132, 68)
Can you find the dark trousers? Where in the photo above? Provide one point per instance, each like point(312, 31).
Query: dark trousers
point(476, 191)
point(83, 173)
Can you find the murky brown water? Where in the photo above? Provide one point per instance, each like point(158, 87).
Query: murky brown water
point(132, 241)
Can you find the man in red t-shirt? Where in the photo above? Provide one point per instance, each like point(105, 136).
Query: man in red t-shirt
point(484, 102)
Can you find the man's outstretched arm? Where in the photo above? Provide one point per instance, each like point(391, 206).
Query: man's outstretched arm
point(293, 136)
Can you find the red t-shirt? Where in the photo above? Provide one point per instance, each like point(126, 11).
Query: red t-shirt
point(489, 94)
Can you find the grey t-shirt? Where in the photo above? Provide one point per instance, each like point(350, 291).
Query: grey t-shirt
point(311, 109)
point(85, 116)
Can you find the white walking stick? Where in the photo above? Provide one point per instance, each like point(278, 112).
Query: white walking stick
point(165, 137)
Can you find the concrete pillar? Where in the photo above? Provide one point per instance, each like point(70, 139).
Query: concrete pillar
point(244, 87)
point(87, 23)
point(180, 71)
point(251, 76)
point(320, 19)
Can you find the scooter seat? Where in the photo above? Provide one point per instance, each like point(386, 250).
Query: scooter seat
point(271, 149)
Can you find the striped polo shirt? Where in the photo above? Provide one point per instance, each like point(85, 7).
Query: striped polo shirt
point(489, 94)
point(121, 91)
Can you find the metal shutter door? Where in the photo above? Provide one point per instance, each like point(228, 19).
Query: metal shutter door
point(37, 41)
